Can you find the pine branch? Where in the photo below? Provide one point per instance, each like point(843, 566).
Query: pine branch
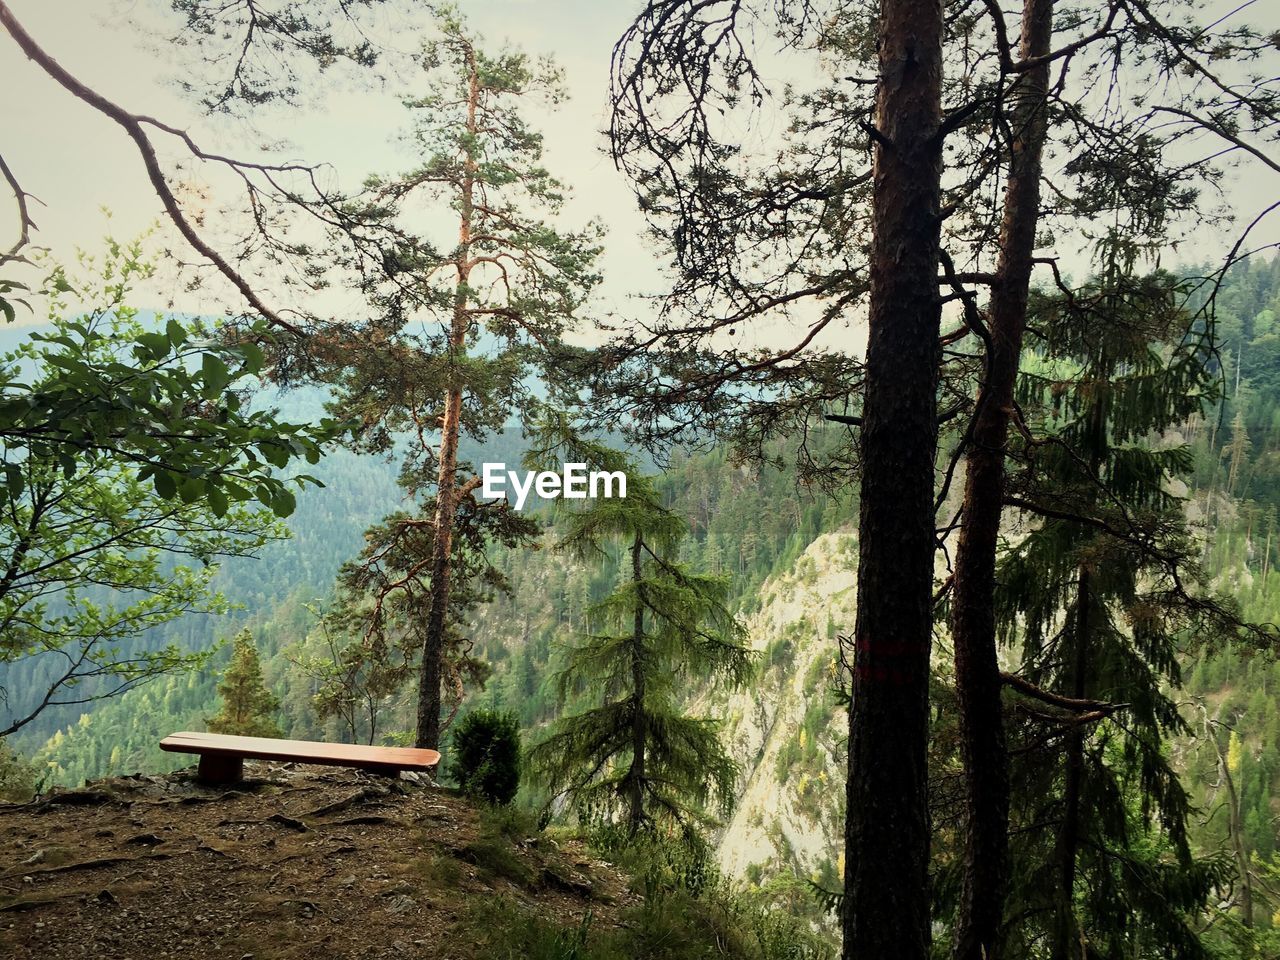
point(1082, 706)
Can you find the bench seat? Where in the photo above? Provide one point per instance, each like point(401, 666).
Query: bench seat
point(222, 756)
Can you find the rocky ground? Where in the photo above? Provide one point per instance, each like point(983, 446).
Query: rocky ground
point(294, 862)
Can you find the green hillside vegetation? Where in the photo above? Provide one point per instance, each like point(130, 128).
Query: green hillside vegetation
point(962, 646)
point(747, 524)
point(519, 633)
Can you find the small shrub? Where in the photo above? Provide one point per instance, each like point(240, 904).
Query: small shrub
point(17, 776)
point(485, 759)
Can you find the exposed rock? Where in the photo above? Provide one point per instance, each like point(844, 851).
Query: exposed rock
point(788, 816)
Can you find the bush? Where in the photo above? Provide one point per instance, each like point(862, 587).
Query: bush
point(485, 760)
point(17, 776)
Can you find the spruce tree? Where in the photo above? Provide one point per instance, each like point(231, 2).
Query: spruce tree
point(1103, 593)
point(637, 754)
point(248, 707)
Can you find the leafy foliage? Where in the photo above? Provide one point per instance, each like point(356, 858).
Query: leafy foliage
point(105, 391)
point(131, 468)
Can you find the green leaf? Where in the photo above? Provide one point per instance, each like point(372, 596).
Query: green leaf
point(284, 503)
point(215, 373)
point(234, 491)
point(13, 479)
point(177, 333)
point(156, 344)
point(275, 454)
point(253, 357)
point(165, 484)
point(218, 501)
point(191, 489)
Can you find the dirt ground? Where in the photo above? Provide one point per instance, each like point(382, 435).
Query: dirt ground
point(294, 862)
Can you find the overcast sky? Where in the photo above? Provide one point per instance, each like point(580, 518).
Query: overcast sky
point(79, 162)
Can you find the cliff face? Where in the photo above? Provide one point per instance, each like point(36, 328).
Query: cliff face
point(789, 731)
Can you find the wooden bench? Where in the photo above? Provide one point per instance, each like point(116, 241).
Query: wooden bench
point(222, 756)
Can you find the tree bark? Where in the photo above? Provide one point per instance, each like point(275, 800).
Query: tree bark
point(886, 881)
point(431, 670)
point(973, 622)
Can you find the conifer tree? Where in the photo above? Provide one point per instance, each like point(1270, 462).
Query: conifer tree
point(1106, 93)
point(1102, 593)
point(383, 601)
point(637, 754)
point(465, 322)
point(1237, 451)
point(248, 707)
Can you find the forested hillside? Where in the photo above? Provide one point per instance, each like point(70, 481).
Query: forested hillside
point(741, 479)
point(734, 533)
point(788, 551)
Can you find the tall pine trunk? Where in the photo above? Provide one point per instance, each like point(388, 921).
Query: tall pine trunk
point(1065, 944)
point(973, 623)
point(431, 671)
point(886, 882)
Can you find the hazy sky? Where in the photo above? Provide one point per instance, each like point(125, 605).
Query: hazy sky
point(78, 161)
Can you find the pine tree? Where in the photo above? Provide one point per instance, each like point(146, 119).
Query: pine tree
point(637, 754)
point(973, 586)
point(383, 599)
point(464, 327)
point(1113, 155)
point(248, 707)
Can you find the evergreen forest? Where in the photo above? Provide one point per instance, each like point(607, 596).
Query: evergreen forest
point(937, 346)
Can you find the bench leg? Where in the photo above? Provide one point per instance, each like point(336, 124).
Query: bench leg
point(219, 769)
